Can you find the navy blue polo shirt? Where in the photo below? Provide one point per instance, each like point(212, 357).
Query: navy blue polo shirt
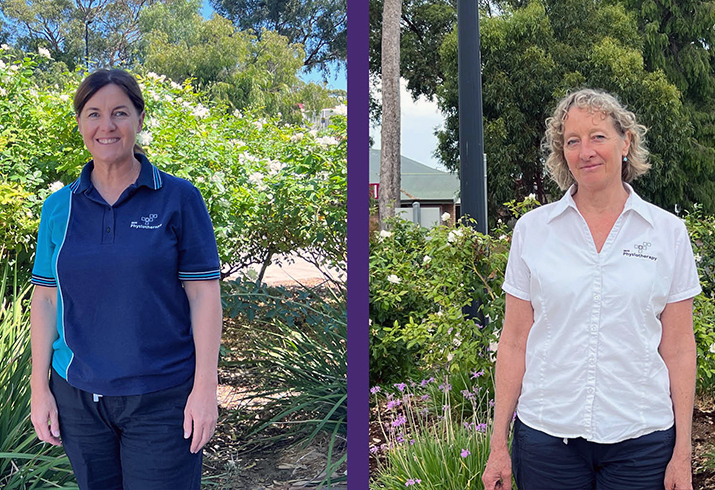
point(122, 314)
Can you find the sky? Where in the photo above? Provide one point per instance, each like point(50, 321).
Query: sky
point(418, 122)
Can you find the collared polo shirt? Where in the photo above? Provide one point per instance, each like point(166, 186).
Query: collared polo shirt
point(123, 317)
point(593, 369)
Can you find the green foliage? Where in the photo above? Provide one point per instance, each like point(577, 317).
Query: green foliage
point(420, 281)
point(250, 70)
point(302, 352)
point(25, 461)
point(701, 229)
point(270, 188)
point(428, 438)
point(319, 25)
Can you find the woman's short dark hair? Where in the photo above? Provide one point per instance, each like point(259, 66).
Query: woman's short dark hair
point(101, 78)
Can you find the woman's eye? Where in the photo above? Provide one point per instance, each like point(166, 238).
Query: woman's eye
point(120, 113)
point(571, 142)
point(599, 137)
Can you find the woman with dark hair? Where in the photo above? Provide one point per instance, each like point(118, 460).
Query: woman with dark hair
point(126, 315)
point(597, 352)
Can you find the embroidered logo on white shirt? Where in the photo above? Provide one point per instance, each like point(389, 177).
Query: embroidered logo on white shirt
point(641, 247)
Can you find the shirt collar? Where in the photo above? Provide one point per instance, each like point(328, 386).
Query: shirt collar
point(633, 202)
point(148, 176)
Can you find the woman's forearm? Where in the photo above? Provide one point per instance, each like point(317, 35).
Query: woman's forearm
point(679, 353)
point(681, 362)
point(43, 332)
point(206, 317)
point(510, 367)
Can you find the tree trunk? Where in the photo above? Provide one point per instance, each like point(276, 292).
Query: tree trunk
point(389, 196)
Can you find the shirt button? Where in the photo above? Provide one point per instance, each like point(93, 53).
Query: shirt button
point(590, 390)
point(594, 328)
point(109, 229)
point(597, 297)
point(592, 360)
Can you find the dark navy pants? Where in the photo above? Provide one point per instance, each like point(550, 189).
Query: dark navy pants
point(127, 442)
point(544, 462)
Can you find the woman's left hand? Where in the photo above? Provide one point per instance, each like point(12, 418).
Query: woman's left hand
point(200, 416)
point(678, 473)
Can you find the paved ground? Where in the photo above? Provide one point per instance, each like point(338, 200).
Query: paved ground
point(292, 270)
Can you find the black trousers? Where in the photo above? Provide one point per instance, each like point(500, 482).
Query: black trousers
point(127, 442)
point(541, 461)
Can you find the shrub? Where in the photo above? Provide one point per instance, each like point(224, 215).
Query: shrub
point(302, 357)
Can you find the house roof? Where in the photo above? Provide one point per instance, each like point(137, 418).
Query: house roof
point(419, 182)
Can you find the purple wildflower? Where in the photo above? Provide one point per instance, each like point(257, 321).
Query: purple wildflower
point(374, 449)
point(375, 390)
point(399, 421)
point(424, 397)
point(400, 438)
point(412, 442)
point(465, 453)
point(392, 404)
point(383, 447)
point(481, 427)
point(445, 407)
point(491, 403)
point(477, 374)
point(445, 387)
point(401, 386)
point(513, 417)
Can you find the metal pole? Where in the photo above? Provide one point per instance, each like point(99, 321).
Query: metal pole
point(416, 213)
point(473, 173)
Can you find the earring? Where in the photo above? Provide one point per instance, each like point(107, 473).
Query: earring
point(625, 159)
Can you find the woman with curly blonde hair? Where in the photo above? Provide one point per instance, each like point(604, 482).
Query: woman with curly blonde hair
point(597, 352)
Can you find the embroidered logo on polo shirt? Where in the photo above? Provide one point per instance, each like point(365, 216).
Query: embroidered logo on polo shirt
point(641, 248)
point(147, 220)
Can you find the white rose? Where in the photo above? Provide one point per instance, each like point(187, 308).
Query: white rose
point(427, 259)
point(145, 138)
point(446, 216)
point(532, 196)
point(55, 186)
point(64, 97)
point(394, 279)
point(44, 52)
point(385, 234)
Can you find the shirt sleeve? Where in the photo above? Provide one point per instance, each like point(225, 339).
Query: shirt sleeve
point(42, 274)
point(198, 255)
point(518, 276)
point(686, 283)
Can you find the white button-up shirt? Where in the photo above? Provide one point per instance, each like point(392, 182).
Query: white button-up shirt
point(592, 364)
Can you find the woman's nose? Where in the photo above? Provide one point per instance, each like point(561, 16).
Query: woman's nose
point(587, 150)
point(107, 124)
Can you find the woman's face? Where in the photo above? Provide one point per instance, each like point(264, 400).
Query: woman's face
point(109, 124)
point(593, 148)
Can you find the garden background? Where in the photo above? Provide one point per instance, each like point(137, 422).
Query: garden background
point(227, 109)
point(431, 368)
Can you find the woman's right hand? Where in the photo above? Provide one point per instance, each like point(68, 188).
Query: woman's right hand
point(44, 416)
point(497, 474)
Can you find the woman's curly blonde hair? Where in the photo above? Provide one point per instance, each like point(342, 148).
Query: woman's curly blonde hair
point(623, 120)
